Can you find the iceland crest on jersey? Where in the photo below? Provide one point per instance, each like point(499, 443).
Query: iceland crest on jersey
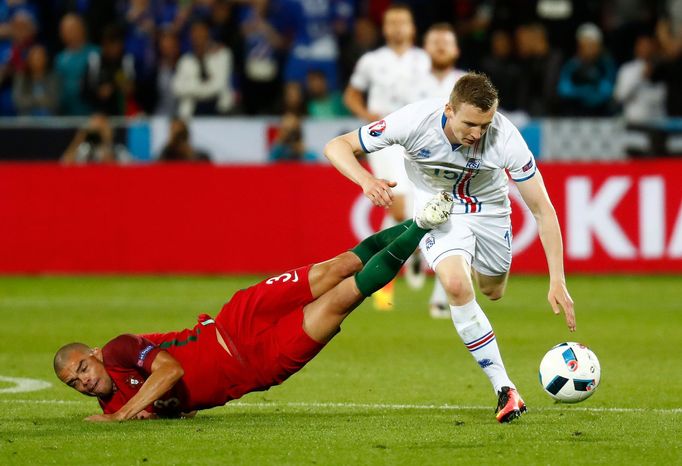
point(474, 164)
point(377, 128)
point(424, 153)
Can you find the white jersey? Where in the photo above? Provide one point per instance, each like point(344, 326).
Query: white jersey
point(642, 99)
point(476, 175)
point(434, 88)
point(390, 80)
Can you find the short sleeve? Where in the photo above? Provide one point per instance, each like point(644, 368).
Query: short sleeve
point(519, 159)
point(392, 129)
point(130, 352)
point(361, 77)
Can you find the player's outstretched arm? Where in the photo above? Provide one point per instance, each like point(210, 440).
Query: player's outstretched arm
point(536, 198)
point(166, 371)
point(342, 152)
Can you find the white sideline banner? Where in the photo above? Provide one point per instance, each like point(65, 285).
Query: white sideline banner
point(247, 140)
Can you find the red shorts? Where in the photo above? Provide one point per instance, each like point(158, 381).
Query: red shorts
point(263, 325)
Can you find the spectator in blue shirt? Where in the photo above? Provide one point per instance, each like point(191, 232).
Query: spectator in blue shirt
point(140, 35)
point(8, 8)
point(314, 27)
point(71, 64)
point(586, 81)
point(261, 50)
point(13, 57)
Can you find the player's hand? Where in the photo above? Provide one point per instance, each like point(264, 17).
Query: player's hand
point(103, 418)
point(559, 299)
point(379, 191)
point(144, 415)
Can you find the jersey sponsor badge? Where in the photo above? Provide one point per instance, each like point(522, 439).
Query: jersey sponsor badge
point(377, 129)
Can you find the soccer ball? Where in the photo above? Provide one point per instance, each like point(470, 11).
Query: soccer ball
point(570, 372)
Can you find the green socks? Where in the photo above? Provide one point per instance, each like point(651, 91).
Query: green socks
point(378, 241)
point(385, 264)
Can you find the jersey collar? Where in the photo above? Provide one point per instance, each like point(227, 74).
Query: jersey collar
point(443, 120)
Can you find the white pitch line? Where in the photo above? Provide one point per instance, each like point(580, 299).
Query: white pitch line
point(391, 406)
point(446, 407)
point(45, 402)
point(22, 385)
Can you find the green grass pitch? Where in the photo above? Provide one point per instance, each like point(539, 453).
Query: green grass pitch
point(392, 388)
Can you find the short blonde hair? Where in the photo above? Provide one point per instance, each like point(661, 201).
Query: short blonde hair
point(474, 89)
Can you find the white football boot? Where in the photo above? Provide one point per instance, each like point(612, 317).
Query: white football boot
point(436, 212)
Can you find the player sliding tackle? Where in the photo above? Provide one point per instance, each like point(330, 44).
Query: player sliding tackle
point(263, 335)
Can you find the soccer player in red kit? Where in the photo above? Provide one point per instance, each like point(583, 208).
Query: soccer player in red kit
point(263, 335)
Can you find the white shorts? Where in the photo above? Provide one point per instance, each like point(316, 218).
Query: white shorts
point(484, 241)
point(389, 164)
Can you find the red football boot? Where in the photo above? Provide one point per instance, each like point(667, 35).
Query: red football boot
point(509, 405)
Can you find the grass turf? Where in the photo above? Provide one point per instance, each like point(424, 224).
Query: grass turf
point(392, 388)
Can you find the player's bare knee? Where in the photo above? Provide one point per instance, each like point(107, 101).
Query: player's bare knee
point(458, 289)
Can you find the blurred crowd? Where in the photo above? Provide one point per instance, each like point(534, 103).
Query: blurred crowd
point(210, 57)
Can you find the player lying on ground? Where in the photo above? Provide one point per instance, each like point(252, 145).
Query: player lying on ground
point(263, 335)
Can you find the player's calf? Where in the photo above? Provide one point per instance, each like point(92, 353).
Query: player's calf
point(493, 293)
point(384, 265)
point(324, 315)
point(326, 275)
point(493, 287)
point(342, 266)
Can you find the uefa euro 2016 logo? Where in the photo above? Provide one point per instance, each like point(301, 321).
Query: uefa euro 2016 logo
point(378, 128)
point(570, 360)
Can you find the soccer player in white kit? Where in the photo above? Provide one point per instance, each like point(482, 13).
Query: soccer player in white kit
point(465, 147)
point(440, 42)
point(389, 75)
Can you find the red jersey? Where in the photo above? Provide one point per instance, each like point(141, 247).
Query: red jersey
point(263, 328)
point(128, 360)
